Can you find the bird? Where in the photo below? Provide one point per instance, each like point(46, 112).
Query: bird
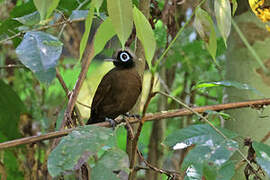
point(118, 90)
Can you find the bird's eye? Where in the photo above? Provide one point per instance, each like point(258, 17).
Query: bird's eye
point(124, 56)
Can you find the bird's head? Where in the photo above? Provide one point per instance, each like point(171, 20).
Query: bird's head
point(123, 58)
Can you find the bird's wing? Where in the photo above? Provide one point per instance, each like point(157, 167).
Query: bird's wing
point(102, 91)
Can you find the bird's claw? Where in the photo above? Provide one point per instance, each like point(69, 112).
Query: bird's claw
point(137, 116)
point(112, 122)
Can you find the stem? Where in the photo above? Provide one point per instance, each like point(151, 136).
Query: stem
point(175, 38)
point(251, 50)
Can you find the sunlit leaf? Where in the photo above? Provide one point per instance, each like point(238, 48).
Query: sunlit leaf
point(29, 19)
point(205, 28)
point(75, 149)
point(98, 5)
point(103, 35)
point(112, 165)
point(145, 35)
point(234, 5)
point(223, 17)
point(40, 52)
point(120, 12)
point(46, 7)
point(88, 24)
point(235, 84)
point(262, 155)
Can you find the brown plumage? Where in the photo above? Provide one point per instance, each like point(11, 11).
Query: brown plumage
point(118, 90)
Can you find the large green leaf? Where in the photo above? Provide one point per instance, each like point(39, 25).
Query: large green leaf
point(112, 165)
point(120, 12)
point(145, 35)
point(11, 107)
point(223, 16)
point(75, 149)
point(88, 24)
point(29, 19)
point(40, 52)
point(104, 33)
point(211, 152)
point(262, 156)
point(205, 28)
point(46, 7)
point(197, 134)
point(226, 171)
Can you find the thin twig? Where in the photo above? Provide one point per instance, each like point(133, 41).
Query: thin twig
point(74, 94)
point(266, 137)
point(161, 171)
point(64, 86)
point(250, 48)
point(148, 117)
point(137, 135)
point(85, 105)
point(40, 29)
point(63, 27)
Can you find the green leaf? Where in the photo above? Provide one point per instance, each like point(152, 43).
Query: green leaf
point(103, 35)
point(226, 171)
point(223, 17)
point(29, 19)
point(11, 164)
point(114, 160)
point(145, 35)
point(205, 28)
point(262, 155)
point(46, 7)
point(11, 107)
point(98, 5)
point(197, 134)
point(78, 14)
point(120, 12)
point(88, 24)
point(235, 84)
point(211, 152)
point(40, 52)
point(234, 4)
point(75, 149)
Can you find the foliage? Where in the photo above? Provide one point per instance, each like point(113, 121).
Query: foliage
point(34, 37)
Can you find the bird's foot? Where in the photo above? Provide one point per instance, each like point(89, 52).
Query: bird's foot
point(137, 116)
point(112, 122)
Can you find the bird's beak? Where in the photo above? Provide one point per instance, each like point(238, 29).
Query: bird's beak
point(110, 60)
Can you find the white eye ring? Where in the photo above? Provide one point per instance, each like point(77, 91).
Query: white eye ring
point(124, 57)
